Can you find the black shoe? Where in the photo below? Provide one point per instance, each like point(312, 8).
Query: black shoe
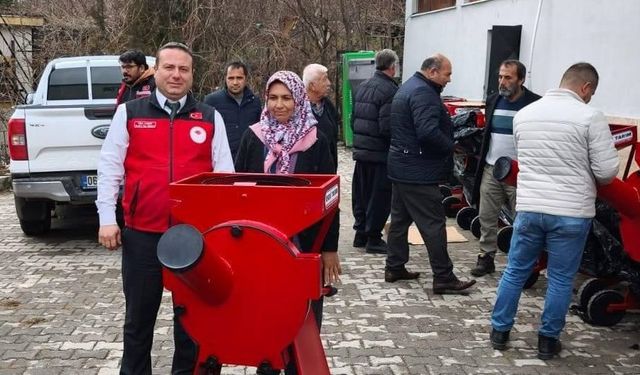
point(499, 339)
point(360, 240)
point(376, 246)
point(548, 347)
point(452, 287)
point(393, 276)
point(484, 265)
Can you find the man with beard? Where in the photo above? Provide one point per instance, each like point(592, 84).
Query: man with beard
point(498, 141)
point(137, 77)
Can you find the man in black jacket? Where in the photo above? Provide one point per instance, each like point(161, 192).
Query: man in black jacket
point(317, 84)
point(137, 77)
point(237, 104)
point(498, 141)
point(421, 157)
point(371, 200)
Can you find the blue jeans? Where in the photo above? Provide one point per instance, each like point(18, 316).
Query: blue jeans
point(564, 239)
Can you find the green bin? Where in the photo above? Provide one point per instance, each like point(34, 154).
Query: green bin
point(357, 67)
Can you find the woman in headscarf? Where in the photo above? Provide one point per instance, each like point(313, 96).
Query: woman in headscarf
point(287, 141)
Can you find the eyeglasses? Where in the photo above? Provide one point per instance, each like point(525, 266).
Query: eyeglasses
point(128, 66)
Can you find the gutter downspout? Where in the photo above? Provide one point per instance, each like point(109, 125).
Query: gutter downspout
point(533, 44)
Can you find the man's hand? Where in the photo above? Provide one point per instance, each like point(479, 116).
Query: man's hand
point(331, 267)
point(109, 236)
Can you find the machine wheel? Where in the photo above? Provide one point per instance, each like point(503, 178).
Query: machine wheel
point(475, 227)
point(597, 308)
point(588, 289)
point(465, 216)
point(504, 238)
point(450, 205)
point(445, 191)
point(533, 278)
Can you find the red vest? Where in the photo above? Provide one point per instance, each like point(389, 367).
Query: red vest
point(159, 153)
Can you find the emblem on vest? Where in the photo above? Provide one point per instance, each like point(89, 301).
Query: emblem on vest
point(198, 135)
point(141, 124)
point(196, 115)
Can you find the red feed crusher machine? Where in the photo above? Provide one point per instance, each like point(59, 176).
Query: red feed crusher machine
point(241, 287)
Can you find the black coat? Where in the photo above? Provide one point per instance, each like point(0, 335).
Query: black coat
point(237, 118)
point(328, 125)
point(421, 149)
point(371, 118)
point(315, 160)
point(529, 97)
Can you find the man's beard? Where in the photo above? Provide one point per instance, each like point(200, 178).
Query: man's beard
point(506, 92)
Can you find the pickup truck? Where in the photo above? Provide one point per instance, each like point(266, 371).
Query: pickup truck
point(55, 139)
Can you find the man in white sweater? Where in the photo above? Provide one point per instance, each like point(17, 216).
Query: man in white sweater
point(565, 149)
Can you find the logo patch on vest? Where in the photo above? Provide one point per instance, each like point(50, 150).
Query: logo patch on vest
point(198, 135)
point(142, 124)
point(196, 115)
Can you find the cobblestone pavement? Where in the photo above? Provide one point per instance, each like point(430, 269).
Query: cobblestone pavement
point(61, 312)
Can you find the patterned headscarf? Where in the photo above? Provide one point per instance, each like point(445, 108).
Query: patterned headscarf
point(280, 138)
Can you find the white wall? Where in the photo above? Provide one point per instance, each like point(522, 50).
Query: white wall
point(603, 33)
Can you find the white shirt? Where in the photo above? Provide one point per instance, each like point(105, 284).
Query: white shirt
point(114, 151)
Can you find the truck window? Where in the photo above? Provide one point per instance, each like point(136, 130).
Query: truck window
point(105, 81)
point(68, 84)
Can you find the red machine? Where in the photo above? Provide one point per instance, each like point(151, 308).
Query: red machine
point(241, 287)
point(601, 299)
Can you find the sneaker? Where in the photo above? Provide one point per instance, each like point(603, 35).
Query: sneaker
point(403, 274)
point(499, 339)
point(452, 287)
point(360, 240)
point(484, 265)
point(376, 246)
point(548, 347)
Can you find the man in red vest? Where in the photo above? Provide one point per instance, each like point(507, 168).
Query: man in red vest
point(152, 142)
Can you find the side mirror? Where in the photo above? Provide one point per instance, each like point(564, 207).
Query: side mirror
point(29, 98)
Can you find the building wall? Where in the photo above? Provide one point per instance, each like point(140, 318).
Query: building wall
point(604, 33)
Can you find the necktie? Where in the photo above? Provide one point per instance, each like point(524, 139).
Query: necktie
point(173, 107)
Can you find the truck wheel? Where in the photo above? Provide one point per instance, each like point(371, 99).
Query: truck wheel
point(35, 216)
point(37, 227)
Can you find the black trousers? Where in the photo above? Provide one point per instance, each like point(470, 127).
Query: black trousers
point(371, 198)
point(142, 285)
point(421, 204)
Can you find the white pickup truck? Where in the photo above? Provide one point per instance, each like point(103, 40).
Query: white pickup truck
point(55, 139)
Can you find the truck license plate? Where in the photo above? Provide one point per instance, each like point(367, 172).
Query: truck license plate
point(89, 182)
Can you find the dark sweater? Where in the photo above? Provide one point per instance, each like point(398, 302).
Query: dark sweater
point(237, 117)
point(316, 160)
